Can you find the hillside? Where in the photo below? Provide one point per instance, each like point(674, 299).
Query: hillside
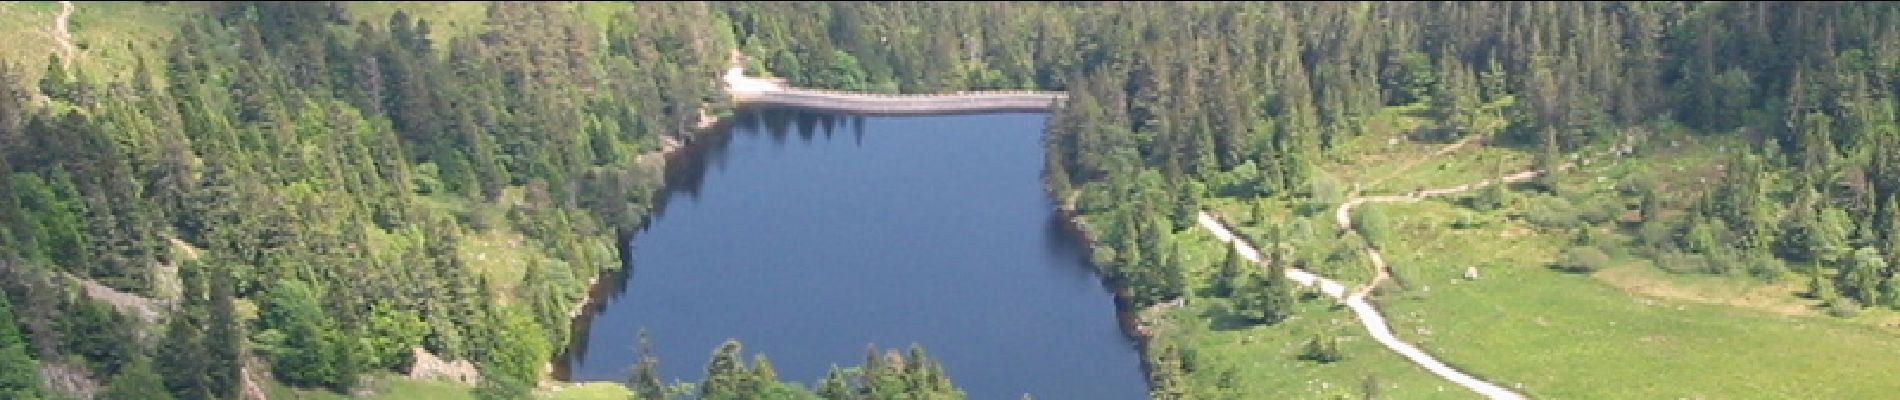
point(357, 180)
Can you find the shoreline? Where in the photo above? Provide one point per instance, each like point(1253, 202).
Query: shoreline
point(555, 373)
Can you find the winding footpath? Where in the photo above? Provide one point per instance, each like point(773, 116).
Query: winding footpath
point(64, 35)
point(1369, 316)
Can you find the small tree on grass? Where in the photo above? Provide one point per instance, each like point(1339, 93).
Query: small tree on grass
point(1323, 348)
point(1267, 297)
point(1861, 278)
point(1229, 275)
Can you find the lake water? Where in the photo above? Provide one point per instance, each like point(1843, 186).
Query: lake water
point(809, 237)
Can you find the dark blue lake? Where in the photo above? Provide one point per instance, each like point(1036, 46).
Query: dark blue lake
point(809, 237)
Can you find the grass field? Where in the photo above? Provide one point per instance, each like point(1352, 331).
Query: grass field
point(108, 34)
point(1566, 335)
point(1627, 331)
point(1261, 362)
point(447, 19)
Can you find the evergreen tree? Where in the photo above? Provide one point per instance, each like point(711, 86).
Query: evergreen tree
point(833, 387)
point(224, 338)
point(1267, 298)
point(137, 381)
point(184, 357)
point(1323, 347)
point(1861, 279)
point(725, 374)
point(19, 373)
point(1229, 276)
point(311, 352)
point(645, 381)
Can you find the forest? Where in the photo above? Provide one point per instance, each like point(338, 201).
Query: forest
point(302, 191)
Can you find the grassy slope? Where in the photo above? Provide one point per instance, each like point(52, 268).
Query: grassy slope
point(1264, 360)
point(107, 34)
point(1573, 336)
point(1630, 331)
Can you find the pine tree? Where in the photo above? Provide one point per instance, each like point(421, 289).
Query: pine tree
point(187, 371)
point(1267, 298)
point(1229, 275)
point(725, 374)
point(1861, 279)
point(1323, 347)
point(19, 373)
point(137, 381)
point(763, 379)
point(833, 386)
point(224, 337)
point(645, 381)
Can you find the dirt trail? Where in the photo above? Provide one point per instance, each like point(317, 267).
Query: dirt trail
point(1441, 151)
point(64, 35)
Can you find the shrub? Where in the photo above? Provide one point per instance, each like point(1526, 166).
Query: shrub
point(1680, 262)
point(1583, 259)
point(1601, 210)
point(1843, 307)
point(1551, 212)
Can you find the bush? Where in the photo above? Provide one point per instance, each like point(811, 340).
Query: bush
point(1490, 198)
point(1681, 263)
point(1584, 259)
point(1766, 267)
point(1660, 236)
point(1842, 307)
point(1373, 224)
point(1551, 212)
point(1601, 210)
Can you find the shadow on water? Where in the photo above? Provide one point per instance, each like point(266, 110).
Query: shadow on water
point(685, 175)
